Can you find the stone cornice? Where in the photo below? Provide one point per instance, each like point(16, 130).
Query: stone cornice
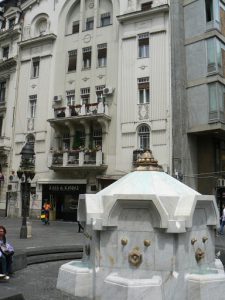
point(28, 4)
point(204, 36)
point(141, 13)
point(38, 40)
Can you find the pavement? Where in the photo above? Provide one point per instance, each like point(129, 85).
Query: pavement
point(58, 233)
point(55, 242)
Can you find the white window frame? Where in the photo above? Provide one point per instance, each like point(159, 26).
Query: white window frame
point(86, 63)
point(143, 93)
point(99, 93)
point(85, 95)
point(70, 97)
point(102, 61)
point(32, 106)
point(144, 137)
point(143, 50)
point(35, 67)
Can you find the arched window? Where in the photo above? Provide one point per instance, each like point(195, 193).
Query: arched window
point(144, 137)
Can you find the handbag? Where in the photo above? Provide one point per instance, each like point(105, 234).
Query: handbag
point(4, 250)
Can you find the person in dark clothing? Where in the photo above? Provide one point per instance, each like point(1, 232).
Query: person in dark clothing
point(80, 227)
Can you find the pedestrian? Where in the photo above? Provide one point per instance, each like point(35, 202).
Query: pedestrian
point(80, 227)
point(47, 206)
point(222, 224)
point(6, 253)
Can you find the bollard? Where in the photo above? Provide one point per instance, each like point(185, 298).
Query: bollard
point(29, 229)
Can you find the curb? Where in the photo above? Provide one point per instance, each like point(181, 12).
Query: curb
point(23, 258)
point(12, 297)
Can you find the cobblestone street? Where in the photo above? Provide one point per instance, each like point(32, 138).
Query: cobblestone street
point(37, 282)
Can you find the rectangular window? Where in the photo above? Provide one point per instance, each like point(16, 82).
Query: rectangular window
point(2, 91)
point(143, 45)
point(209, 10)
point(66, 141)
point(76, 27)
point(35, 67)
point(32, 103)
point(12, 23)
point(143, 90)
point(86, 58)
point(105, 19)
point(85, 95)
point(146, 6)
point(97, 137)
point(5, 52)
point(70, 97)
point(90, 23)
point(214, 55)
point(72, 64)
point(102, 55)
point(99, 93)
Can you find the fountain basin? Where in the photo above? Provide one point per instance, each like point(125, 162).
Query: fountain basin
point(203, 286)
point(75, 278)
point(117, 287)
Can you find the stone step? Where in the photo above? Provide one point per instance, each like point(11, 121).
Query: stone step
point(37, 259)
point(23, 258)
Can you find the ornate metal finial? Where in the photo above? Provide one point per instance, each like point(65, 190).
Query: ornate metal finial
point(146, 162)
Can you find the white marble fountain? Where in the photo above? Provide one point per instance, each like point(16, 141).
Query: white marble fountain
point(148, 236)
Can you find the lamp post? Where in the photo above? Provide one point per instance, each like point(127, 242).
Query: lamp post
point(26, 173)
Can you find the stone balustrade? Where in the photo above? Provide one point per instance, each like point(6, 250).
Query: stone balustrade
point(81, 110)
point(75, 158)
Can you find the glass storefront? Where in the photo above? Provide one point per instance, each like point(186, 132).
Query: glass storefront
point(63, 199)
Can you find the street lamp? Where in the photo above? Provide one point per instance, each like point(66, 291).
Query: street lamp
point(26, 173)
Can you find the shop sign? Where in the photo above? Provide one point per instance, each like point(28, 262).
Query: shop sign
point(64, 188)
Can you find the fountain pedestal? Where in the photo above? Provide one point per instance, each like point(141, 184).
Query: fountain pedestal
point(148, 236)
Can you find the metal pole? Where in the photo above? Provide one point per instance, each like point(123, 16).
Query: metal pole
point(23, 230)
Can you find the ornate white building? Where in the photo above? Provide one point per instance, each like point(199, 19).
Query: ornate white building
point(91, 90)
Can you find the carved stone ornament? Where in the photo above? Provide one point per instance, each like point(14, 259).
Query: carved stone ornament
point(199, 254)
point(87, 38)
point(146, 162)
point(147, 243)
point(135, 257)
point(124, 242)
point(91, 5)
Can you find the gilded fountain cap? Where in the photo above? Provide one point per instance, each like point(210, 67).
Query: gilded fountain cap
point(147, 162)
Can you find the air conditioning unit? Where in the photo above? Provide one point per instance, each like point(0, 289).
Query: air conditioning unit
point(221, 182)
point(107, 91)
point(57, 98)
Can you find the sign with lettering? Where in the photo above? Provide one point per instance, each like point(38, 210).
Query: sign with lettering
point(77, 188)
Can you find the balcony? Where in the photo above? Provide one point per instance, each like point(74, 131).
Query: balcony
point(8, 63)
point(76, 159)
point(77, 112)
point(10, 32)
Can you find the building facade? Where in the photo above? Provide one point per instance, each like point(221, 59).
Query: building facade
point(197, 74)
point(97, 82)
